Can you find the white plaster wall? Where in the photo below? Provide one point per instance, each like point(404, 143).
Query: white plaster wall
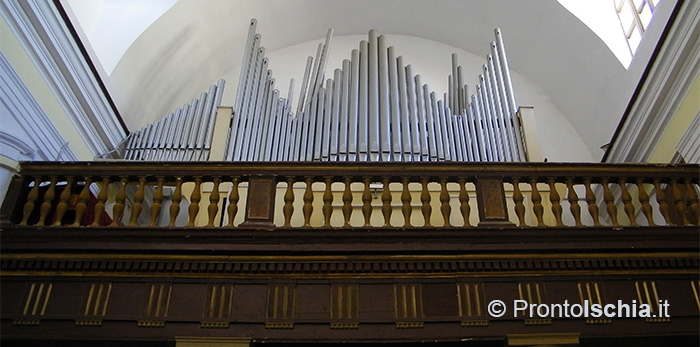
point(574, 72)
point(8, 168)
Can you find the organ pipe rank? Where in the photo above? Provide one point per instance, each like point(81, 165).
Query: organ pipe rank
point(373, 108)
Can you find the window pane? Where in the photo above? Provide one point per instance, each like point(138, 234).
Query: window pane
point(630, 30)
point(645, 16)
point(619, 3)
point(626, 15)
point(638, 4)
point(634, 40)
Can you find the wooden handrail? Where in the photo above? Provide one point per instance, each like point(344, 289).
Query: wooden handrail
point(625, 192)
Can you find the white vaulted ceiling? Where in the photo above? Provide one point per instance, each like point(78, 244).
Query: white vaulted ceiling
point(562, 63)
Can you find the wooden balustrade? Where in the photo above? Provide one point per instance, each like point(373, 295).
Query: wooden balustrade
point(462, 195)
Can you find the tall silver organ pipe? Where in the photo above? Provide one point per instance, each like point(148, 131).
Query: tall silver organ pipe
point(372, 108)
point(183, 135)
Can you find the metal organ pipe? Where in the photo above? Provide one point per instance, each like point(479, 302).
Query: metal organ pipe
point(339, 122)
point(510, 95)
point(363, 116)
point(373, 127)
point(373, 108)
point(328, 118)
point(184, 134)
point(384, 100)
point(348, 146)
point(342, 104)
point(404, 114)
point(393, 105)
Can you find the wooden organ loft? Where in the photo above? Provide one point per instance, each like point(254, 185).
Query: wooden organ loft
point(400, 231)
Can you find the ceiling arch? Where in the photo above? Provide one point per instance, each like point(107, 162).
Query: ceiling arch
point(194, 43)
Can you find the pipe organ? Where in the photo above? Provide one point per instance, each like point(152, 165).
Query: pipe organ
point(373, 108)
point(184, 135)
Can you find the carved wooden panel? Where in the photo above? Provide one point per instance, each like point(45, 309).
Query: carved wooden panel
point(260, 208)
point(312, 301)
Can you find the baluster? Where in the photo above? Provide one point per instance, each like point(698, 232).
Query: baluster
point(137, 207)
point(101, 199)
point(555, 199)
point(627, 202)
point(644, 200)
point(45, 207)
point(288, 208)
point(157, 202)
point(233, 198)
point(406, 202)
point(62, 206)
point(327, 202)
point(609, 199)
point(386, 201)
point(591, 201)
point(518, 200)
point(445, 202)
point(81, 206)
point(663, 204)
point(679, 200)
point(425, 200)
point(308, 200)
point(31, 199)
point(572, 197)
point(176, 198)
point(118, 210)
point(347, 202)
point(693, 206)
point(213, 208)
point(464, 201)
point(537, 203)
point(195, 198)
point(367, 201)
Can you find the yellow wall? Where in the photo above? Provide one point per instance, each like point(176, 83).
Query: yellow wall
point(32, 78)
point(666, 146)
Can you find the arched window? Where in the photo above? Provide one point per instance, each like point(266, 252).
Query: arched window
point(635, 16)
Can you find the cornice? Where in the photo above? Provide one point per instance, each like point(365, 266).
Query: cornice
point(436, 266)
point(689, 145)
point(671, 74)
point(41, 141)
point(41, 30)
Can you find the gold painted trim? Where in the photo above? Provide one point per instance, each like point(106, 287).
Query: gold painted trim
point(349, 325)
point(275, 325)
point(410, 325)
point(28, 301)
point(345, 258)
point(150, 324)
point(88, 322)
point(26, 322)
point(434, 275)
point(89, 300)
point(695, 285)
point(546, 321)
point(475, 323)
point(214, 325)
